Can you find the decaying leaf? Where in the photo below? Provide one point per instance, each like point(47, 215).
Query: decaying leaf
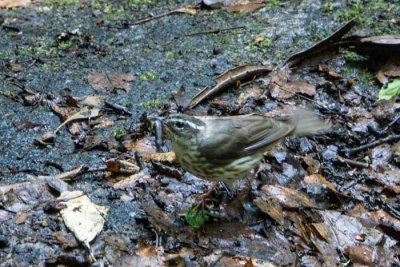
point(132, 181)
point(244, 8)
point(116, 166)
point(273, 209)
point(389, 70)
point(144, 146)
point(84, 218)
point(319, 179)
point(285, 90)
point(65, 175)
point(111, 81)
point(161, 157)
point(145, 256)
point(287, 197)
point(380, 218)
point(83, 114)
point(230, 78)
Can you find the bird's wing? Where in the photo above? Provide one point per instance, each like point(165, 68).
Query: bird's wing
point(227, 139)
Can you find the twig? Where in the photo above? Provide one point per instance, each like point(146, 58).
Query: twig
point(353, 162)
point(351, 151)
point(118, 108)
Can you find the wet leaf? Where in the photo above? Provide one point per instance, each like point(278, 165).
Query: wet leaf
point(389, 70)
point(390, 91)
point(362, 255)
point(93, 100)
point(273, 209)
point(132, 180)
point(5, 215)
point(319, 179)
point(145, 256)
point(196, 217)
point(83, 114)
point(347, 230)
point(116, 165)
point(287, 197)
point(14, 3)
point(84, 218)
point(380, 218)
point(285, 90)
point(231, 78)
point(111, 81)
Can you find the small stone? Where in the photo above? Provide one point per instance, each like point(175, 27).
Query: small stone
point(330, 153)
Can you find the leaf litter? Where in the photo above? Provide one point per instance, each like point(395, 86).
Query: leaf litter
point(280, 222)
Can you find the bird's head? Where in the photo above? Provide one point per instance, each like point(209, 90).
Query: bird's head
point(182, 129)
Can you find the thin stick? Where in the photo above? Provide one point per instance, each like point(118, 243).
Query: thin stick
point(351, 151)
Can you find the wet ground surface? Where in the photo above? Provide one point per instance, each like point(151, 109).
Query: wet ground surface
point(54, 54)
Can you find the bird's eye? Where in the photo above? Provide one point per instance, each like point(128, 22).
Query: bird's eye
point(179, 124)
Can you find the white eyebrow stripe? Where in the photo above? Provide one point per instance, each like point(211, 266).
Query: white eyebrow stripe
point(191, 124)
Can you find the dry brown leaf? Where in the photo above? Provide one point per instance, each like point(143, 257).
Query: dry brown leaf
point(144, 146)
point(14, 3)
point(390, 70)
point(187, 10)
point(116, 165)
point(319, 179)
point(161, 157)
point(244, 8)
point(287, 197)
point(111, 81)
point(21, 217)
point(328, 71)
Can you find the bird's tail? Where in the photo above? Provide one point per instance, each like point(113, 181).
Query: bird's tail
point(308, 123)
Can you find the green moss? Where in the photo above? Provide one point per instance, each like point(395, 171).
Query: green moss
point(136, 3)
point(351, 56)
point(61, 2)
point(273, 3)
point(119, 133)
point(64, 45)
point(148, 76)
point(153, 104)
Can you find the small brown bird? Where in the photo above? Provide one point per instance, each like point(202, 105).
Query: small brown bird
point(228, 148)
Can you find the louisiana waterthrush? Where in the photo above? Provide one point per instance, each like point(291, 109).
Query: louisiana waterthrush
point(226, 149)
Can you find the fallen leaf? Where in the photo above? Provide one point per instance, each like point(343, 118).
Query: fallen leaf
point(361, 255)
point(319, 179)
point(111, 81)
point(144, 146)
point(13, 3)
point(65, 175)
point(84, 218)
point(244, 8)
point(380, 218)
point(116, 165)
point(83, 114)
point(390, 91)
point(329, 72)
point(285, 90)
point(287, 197)
point(5, 215)
point(389, 70)
point(145, 256)
point(187, 10)
point(132, 181)
point(161, 157)
point(21, 217)
point(273, 209)
point(231, 78)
